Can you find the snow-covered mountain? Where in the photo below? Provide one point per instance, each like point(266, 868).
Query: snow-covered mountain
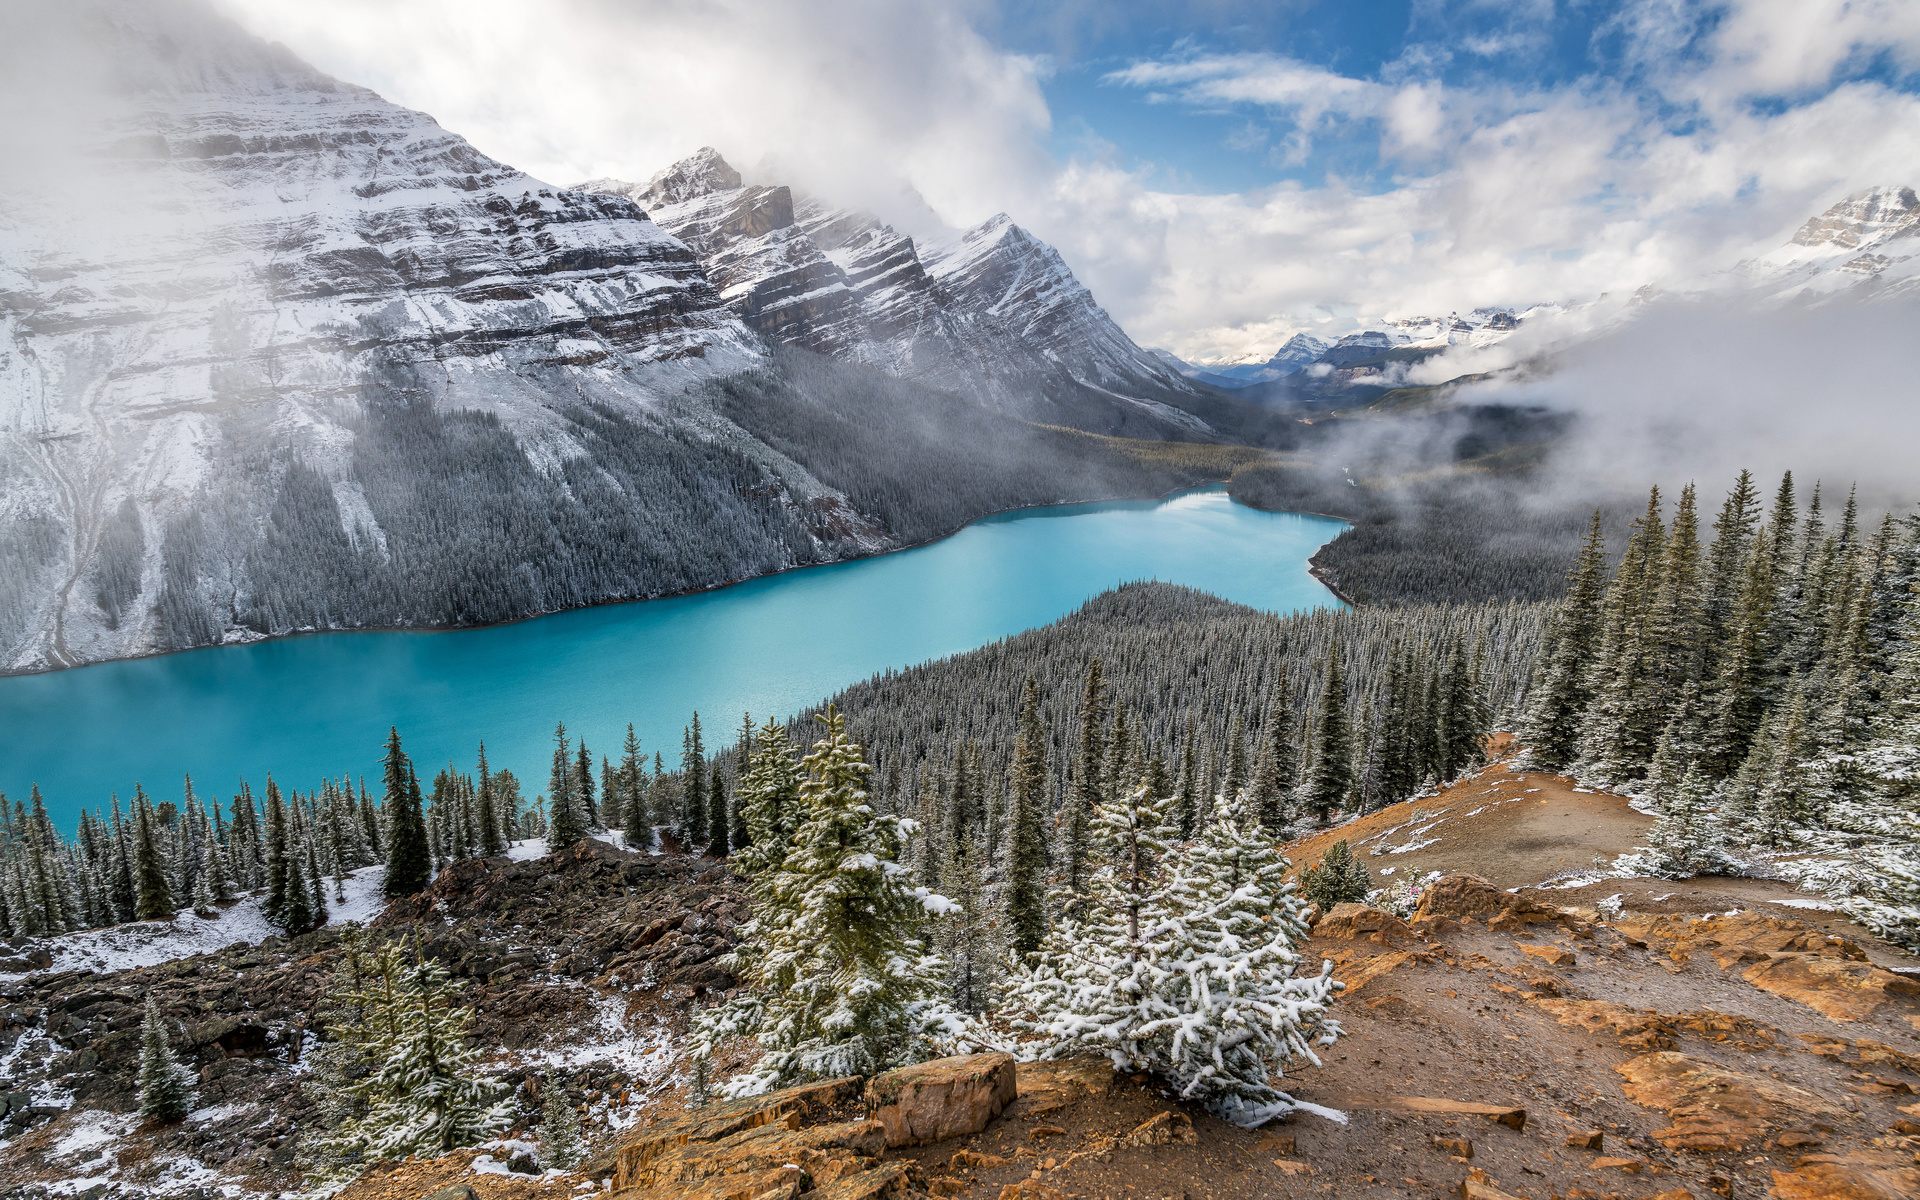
point(992, 312)
point(1866, 245)
point(251, 317)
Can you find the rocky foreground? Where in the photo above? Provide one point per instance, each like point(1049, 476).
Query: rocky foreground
point(1497, 1044)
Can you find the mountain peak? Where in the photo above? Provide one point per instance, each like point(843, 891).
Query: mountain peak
point(699, 174)
point(1862, 218)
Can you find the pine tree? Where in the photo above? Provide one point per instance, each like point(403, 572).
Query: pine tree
point(1338, 878)
point(1088, 784)
point(1274, 779)
point(420, 1095)
point(203, 891)
point(408, 863)
point(693, 783)
point(1180, 964)
point(1688, 840)
point(153, 897)
point(566, 815)
point(1619, 728)
point(1236, 778)
point(559, 1129)
point(769, 801)
point(636, 822)
point(1726, 562)
point(166, 1085)
point(838, 981)
point(583, 788)
point(1562, 690)
point(1740, 692)
point(1233, 1013)
point(968, 943)
point(1331, 777)
point(492, 845)
point(740, 837)
point(719, 819)
point(1026, 866)
point(1186, 804)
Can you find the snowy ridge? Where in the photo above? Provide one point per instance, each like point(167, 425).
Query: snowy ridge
point(1868, 244)
point(223, 270)
point(993, 312)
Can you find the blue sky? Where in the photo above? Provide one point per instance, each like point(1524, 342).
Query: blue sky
point(1223, 147)
point(1221, 174)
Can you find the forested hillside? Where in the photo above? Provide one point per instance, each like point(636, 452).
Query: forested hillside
point(456, 520)
point(1761, 685)
point(1430, 526)
point(1319, 713)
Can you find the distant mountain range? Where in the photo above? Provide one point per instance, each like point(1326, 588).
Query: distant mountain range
point(1864, 247)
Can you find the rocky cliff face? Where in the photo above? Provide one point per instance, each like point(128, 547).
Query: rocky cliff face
point(1868, 244)
point(253, 317)
point(994, 313)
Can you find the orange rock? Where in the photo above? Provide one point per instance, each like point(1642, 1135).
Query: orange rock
point(1586, 1139)
point(1355, 922)
point(1712, 1108)
point(945, 1098)
point(1553, 955)
point(1163, 1129)
point(1837, 988)
point(1845, 1180)
point(974, 1158)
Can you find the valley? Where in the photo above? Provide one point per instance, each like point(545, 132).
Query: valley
point(739, 678)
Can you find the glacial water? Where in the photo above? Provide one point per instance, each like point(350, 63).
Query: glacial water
point(319, 706)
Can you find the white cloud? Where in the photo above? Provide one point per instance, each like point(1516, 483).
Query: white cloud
point(854, 101)
point(1789, 46)
point(1490, 193)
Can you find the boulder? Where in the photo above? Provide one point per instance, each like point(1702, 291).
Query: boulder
point(1461, 896)
point(1837, 988)
point(1354, 922)
point(1046, 1087)
point(1557, 956)
point(1864, 1176)
point(946, 1098)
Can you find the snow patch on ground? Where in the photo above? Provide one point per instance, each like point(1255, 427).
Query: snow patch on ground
point(91, 1131)
point(1807, 902)
point(149, 943)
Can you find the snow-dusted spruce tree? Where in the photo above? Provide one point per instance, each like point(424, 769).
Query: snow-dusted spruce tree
point(1180, 961)
point(1238, 1014)
point(559, 1128)
point(1881, 887)
point(1688, 838)
point(838, 979)
point(166, 1085)
point(1338, 878)
point(420, 1095)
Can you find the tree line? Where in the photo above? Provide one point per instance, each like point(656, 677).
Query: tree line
point(1762, 686)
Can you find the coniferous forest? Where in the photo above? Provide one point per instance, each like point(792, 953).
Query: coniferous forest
point(1756, 674)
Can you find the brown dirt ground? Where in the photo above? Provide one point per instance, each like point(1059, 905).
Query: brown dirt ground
point(1513, 827)
point(1467, 1017)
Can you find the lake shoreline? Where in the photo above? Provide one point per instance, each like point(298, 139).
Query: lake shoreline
point(1313, 569)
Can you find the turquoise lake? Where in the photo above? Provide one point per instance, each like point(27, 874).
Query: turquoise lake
point(319, 706)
